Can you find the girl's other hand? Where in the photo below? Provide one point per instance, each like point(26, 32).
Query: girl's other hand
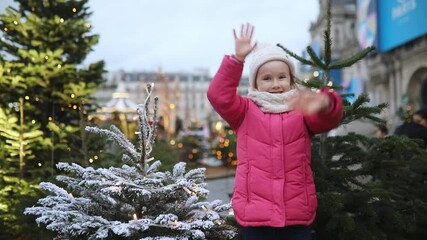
point(243, 45)
point(309, 102)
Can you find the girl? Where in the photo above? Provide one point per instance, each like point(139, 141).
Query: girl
point(274, 194)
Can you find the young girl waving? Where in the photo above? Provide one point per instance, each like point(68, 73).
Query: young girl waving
point(274, 194)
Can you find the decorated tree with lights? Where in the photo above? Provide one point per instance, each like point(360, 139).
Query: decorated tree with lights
point(135, 201)
point(42, 47)
point(368, 188)
point(224, 147)
point(44, 90)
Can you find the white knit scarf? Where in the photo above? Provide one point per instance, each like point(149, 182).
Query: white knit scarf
point(273, 103)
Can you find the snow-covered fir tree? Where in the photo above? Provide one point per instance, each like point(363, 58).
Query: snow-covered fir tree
point(135, 201)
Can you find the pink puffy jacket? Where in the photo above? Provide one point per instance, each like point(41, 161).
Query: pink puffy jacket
point(274, 183)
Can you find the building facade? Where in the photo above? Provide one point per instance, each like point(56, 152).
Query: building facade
point(183, 104)
point(398, 68)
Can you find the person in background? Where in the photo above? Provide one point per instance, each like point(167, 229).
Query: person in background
point(420, 117)
point(274, 195)
point(381, 130)
point(415, 129)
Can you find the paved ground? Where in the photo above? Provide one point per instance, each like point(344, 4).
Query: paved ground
point(220, 182)
point(220, 189)
point(218, 172)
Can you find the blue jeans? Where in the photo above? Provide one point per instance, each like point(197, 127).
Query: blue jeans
point(297, 232)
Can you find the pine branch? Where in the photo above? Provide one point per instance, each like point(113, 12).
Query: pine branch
point(327, 36)
point(316, 60)
point(116, 136)
point(146, 131)
point(316, 84)
point(311, 83)
point(346, 95)
point(155, 121)
point(294, 55)
point(362, 99)
point(375, 119)
point(363, 112)
point(351, 60)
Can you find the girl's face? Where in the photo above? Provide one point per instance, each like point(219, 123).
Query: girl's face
point(273, 77)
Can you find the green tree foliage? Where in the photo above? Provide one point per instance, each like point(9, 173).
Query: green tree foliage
point(18, 143)
point(169, 155)
point(15, 195)
point(370, 188)
point(45, 92)
point(191, 146)
point(42, 48)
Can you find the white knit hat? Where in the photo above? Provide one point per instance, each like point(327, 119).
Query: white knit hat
point(263, 53)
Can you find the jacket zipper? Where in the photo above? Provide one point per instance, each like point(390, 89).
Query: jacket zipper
point(305, 181)
point(248, 171)
point(282, 160)
point(248, 175)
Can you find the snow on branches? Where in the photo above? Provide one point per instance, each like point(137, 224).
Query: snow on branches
point(135, 201)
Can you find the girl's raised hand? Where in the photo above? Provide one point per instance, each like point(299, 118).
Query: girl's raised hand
point(243, 45)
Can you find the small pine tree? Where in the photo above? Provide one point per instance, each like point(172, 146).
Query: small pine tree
point(135, 201)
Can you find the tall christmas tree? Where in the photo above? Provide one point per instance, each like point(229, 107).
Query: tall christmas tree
point(44, 89)
point(135, 201)
point(42, 47)
point(368, 188)
point(224, 147)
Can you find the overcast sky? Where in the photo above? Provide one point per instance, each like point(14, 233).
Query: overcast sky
point(183, 35)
